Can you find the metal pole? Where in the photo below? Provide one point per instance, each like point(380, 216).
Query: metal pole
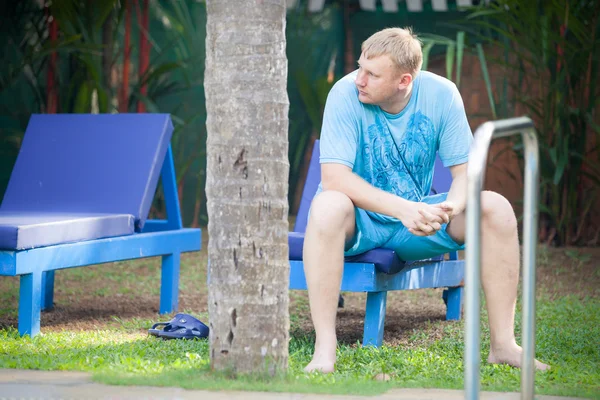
point(530, 227)
point(475, 175)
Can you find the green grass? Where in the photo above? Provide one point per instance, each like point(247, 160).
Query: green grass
point(567, 337)
point(119, 352)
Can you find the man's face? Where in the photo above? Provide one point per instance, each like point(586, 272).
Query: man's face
point(378, 80)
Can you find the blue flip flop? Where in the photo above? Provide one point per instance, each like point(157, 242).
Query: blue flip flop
point(182, 326)
point(167, 326)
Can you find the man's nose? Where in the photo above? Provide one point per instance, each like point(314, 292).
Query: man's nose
point(360, 81)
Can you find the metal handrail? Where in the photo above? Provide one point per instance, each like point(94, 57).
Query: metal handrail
point(475, 175)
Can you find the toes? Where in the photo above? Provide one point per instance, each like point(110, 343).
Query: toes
point(515, 361)
point(541, 366)
point(325, 368)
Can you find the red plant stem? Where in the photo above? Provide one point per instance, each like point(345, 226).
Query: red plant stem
point(124, 97)
point(180, 188)
point(144, 57)
point(195, 220)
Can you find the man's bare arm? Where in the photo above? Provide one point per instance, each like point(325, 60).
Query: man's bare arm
point(364, 195)
point(457, 195)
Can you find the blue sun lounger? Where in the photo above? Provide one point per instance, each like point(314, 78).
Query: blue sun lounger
point(79, 194)
point(380, 270)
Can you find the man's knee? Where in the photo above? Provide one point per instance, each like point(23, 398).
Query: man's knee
point(497, 212)
point(332, 210)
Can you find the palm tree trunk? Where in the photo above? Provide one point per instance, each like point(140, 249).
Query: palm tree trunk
point(247, 185)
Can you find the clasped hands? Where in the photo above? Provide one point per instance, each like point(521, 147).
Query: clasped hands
point(424, 219)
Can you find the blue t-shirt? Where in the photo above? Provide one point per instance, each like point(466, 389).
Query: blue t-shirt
point(396, 152)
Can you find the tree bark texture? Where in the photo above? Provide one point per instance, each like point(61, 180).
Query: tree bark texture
point(247, 185)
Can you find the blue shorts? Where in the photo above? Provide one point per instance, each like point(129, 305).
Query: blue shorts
point(374, 230)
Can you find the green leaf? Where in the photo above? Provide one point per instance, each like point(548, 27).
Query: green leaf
point(105, 8)
point(449, 60)
point(460, 44)
point(552, 153)
point(559, 171)
point(436, 39)
point(426, 50)
point(487, 12)
point(158, 72)
point(102, 99)
point(150, 105)
point(83, 99)
point(544, 208)
point(486, 77)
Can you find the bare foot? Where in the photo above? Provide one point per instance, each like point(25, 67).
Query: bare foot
point(320, 366)
point(323, 359)
point(512, 357)
point(321, 363)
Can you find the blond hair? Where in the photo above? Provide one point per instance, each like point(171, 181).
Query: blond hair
point(400, 44)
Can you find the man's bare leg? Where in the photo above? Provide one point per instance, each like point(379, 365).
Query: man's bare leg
point(330, 224)
point(499, 274)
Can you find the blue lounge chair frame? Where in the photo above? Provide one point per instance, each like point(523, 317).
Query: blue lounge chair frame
point(442, 272)
point(165, 238)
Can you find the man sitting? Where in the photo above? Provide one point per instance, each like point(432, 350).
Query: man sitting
point(382, 127)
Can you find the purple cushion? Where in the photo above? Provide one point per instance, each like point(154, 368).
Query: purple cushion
point(90, 164)
point(385, 260)
point(311, 184)
point(442, 178)
point(19, 231)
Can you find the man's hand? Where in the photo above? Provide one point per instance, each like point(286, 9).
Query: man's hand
point(448, 208)
point(422, 219)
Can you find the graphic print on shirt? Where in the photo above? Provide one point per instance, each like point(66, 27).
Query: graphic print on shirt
point(386, 161)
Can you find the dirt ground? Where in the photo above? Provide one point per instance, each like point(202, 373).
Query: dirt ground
point(560, 272)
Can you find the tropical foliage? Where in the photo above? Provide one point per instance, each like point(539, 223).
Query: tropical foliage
point(78, 56)
point(549, 52)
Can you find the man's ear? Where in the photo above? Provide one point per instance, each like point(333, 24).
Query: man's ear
point(405, 80)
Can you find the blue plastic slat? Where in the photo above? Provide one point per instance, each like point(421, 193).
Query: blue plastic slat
point(365, 278)
point(103, 250)
point(374, 319)
point(30, 299)
point(156, 225)
point(169, 288)
point(8, 263)
point(454, 298)
point(171, 195)
point(169, 182)
point(426, 275)
point(47, 290)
